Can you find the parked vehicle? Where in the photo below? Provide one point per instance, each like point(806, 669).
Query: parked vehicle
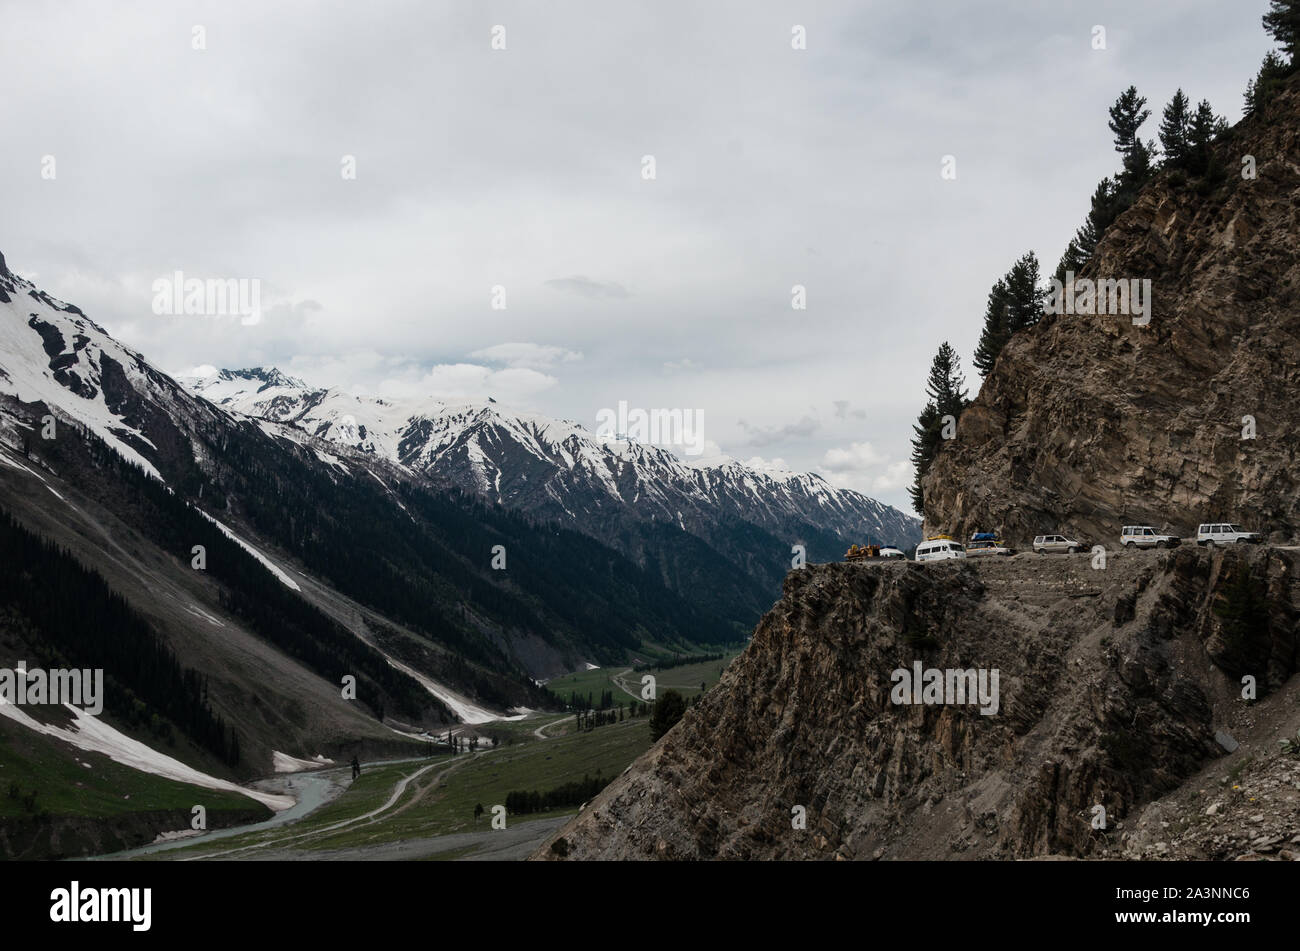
point(1223, 533)
point(1144, 536)
point(1049, 544)
point(986, 543)
point(939, 548)
point(857, 552)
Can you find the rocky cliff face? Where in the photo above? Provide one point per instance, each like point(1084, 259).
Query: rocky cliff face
point(1088, 423)
point(1113, 684)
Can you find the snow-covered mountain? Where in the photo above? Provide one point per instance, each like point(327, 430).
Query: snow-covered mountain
point(332, 545)
point(366, 565)
point(557, 468)
point(52, 353)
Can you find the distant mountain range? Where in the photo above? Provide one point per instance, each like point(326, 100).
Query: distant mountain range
point(613, 489)
point(357, 537)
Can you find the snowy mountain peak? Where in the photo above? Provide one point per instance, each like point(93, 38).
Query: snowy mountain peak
point(51, 353)
point(266, 377)
point(551, 467)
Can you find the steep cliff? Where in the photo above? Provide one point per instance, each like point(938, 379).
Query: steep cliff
point(1088, 423)
point(1113, 684)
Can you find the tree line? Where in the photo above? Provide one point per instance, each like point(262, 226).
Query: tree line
point(524, 802)
point(680, 660)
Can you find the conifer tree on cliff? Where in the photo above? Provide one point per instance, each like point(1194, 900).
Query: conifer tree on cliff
point(1126, 118)
point(995, 333)
point(1174, 124)
point(1114, 195)
point(946, 389)
point(668, 710)
point(1282, 22)
point(1014, 303)
point(1101, 213)
point(1260, 90)
point(1202, 129)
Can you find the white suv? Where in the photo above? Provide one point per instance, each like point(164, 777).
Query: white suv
point(1222, 533)
point(1144, 536)
point(1055, 543)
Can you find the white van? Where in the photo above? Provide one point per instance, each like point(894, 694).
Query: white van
point(938, 549)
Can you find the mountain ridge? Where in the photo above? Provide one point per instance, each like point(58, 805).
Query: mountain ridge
point(318, 563)
point(456, 440)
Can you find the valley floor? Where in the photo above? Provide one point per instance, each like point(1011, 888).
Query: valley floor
point(425, 809)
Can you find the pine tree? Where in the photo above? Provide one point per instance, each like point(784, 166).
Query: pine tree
point(947, 397)
point(1203, 129)
point(946, 385)
point(1126, 118)
point(1261, 89)
point(995, 333)
point(1014, 303)
point(1025, 296)
point(1282, 22)
point(1103, 210)
point(1174, 129)
point(668, 710)
point(1072, 259)
point(1113, 195)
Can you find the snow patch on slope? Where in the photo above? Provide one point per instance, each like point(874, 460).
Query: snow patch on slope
point(266, 562)
point(467, 711)
point(94, 735)
point(284, 763)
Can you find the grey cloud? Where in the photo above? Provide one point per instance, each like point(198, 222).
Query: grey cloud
point(843, 410)
point(759, 436)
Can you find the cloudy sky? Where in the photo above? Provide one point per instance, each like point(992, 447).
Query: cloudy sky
point(130, 155)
